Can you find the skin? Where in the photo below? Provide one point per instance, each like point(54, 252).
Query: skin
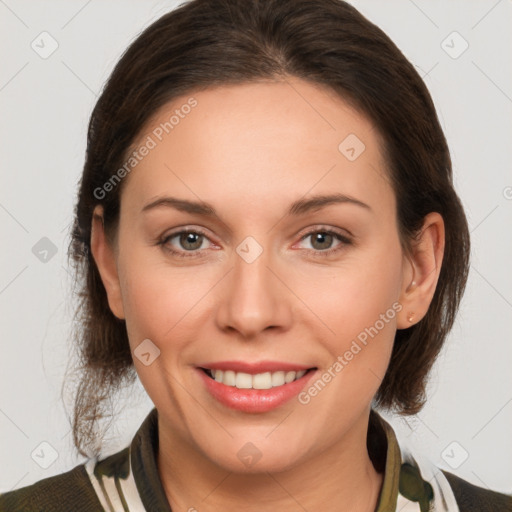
point(251, 150)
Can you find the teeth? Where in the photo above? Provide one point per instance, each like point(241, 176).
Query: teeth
point(229, 377)
point(289, 377)
point(262, 380)
point(265, 380)
point(277, 379)
point(243, 381)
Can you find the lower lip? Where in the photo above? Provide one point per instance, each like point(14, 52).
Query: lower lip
point(254, 400)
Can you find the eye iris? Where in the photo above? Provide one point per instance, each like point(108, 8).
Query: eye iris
point(323, 238)
point(190, 238)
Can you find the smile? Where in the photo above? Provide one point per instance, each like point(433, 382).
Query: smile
point(264, 380)
point(254, 388)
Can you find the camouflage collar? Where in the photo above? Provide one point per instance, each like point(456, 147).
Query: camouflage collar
point(129, 480)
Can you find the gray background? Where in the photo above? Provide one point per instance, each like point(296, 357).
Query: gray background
point(45, 105)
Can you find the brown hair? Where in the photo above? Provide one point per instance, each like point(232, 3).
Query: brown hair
point(206, 43)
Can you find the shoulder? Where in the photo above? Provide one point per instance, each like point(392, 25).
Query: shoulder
point(471, 498)
point(70, 491)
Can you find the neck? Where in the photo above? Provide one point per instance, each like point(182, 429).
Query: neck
point(340, 478)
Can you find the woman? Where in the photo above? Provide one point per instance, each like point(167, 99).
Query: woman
point(269, 236)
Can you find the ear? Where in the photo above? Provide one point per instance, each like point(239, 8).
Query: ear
point(422, 266)
point(105, 258)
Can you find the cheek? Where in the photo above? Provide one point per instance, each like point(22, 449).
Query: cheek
point(353, 297)
point(161, 302)
point(159, 306)
point(152, 307)
point(360, 305)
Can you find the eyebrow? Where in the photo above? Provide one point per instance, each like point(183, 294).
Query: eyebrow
point(299, 207)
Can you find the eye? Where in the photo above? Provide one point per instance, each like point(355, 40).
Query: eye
point(321, 241)
point(183, 242)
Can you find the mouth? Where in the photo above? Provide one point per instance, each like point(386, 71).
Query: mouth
point(254, 388)
point(264, 380)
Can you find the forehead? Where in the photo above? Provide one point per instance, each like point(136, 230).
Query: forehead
point(263, 141)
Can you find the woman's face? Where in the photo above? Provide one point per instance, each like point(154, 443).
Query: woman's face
point(271, 283)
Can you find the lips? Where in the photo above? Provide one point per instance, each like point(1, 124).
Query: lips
point(254, 387)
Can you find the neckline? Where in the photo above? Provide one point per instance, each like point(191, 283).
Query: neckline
point(381, 443)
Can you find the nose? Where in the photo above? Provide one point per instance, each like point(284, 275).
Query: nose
point(254, 299)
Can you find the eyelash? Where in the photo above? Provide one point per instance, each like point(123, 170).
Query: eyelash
point(345, 240)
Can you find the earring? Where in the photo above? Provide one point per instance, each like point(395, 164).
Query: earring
point(412, 284)
point(410, 317)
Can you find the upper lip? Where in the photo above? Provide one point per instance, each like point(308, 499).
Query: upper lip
point(255, 367)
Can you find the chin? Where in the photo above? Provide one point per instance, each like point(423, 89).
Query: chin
point(254, 462)
point(241, 455)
